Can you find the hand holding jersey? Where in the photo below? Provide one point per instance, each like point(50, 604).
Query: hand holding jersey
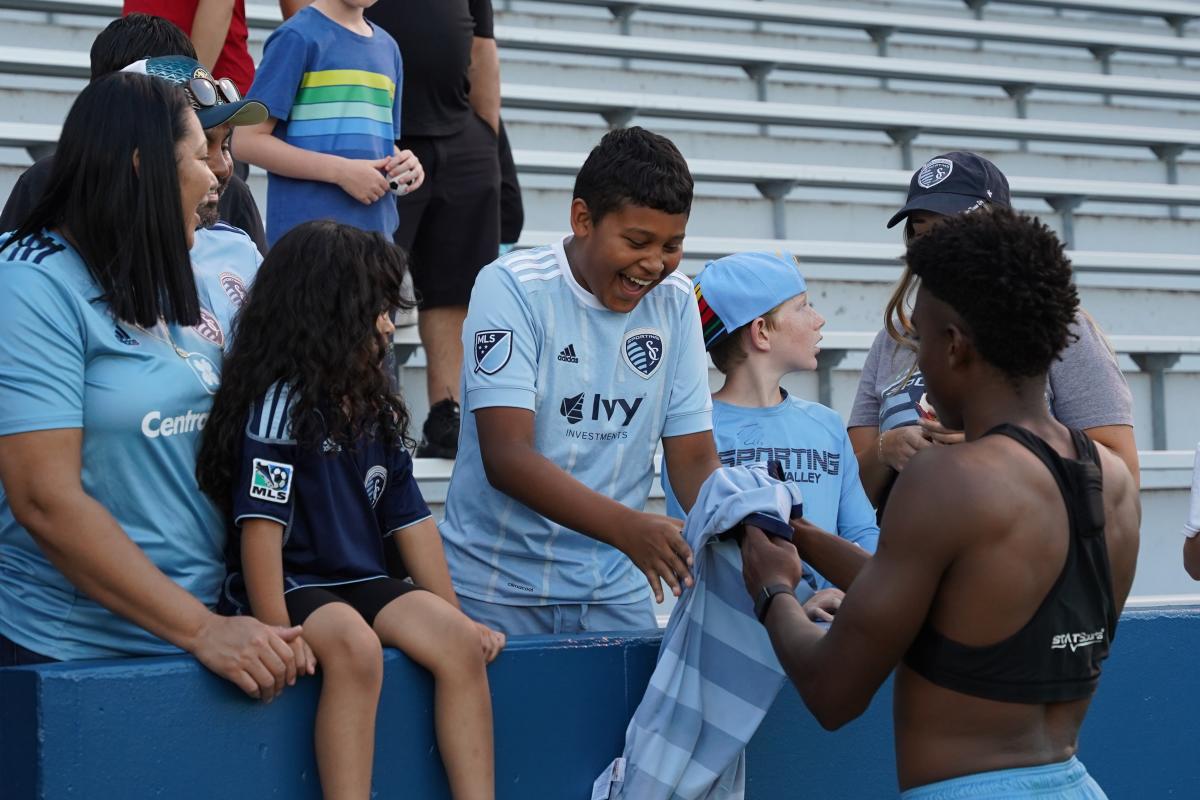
point(1001, 597)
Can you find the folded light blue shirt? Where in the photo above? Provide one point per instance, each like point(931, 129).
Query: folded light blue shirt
point(717, 674)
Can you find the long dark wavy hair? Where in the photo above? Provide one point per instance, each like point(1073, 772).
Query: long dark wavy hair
point(310, 321)
point(125, 221)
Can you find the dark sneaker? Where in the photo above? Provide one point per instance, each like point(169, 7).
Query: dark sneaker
point(440, 431)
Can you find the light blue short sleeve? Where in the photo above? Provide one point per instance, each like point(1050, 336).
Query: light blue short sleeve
point(855, 517)
point(500, 344)
point(42, 360)
point(277, 77)
point(689, 409)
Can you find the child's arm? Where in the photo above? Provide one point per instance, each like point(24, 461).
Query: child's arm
point(420, 548)
point(262, 566)
point(210, 27)
point(361, 179)
point(690, 460)
point(515, 467)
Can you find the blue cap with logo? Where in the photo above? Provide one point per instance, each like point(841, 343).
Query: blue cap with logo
point(953, 183)
point(216, 101)
point(734, 290)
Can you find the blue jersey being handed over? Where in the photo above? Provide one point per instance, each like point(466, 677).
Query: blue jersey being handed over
point(338, 505)
point(811, 443)
point(66, 362)
point(604, 387)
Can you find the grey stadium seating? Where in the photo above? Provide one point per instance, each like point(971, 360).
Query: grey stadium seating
point(800, 121)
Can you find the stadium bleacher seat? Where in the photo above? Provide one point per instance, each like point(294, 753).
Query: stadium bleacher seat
point(790, 114)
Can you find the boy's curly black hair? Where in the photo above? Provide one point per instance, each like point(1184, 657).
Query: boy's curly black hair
point(310, 321)
point(1006, 275)
point(632, 166)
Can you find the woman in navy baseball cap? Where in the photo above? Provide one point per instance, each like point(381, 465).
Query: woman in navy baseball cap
point(890, 423)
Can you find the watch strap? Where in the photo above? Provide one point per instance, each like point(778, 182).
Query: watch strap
point(762, 602)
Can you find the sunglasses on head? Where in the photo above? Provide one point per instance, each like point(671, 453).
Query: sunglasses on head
point(207, 93)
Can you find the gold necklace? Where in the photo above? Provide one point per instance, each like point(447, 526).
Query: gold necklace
point(169, 340)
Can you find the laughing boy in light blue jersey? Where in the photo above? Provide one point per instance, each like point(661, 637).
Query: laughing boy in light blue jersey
point(759, 326)
point(582, 356)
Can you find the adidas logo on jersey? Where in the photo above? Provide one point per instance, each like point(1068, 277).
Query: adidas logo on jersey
point(568, 354)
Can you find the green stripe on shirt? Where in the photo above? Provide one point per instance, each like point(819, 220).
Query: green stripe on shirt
point(344, 94)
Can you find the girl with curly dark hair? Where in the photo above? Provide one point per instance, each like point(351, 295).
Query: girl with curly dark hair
point(305, 452)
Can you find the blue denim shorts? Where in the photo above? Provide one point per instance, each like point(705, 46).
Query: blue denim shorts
point(1066, 780)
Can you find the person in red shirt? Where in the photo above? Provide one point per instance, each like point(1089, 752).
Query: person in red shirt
point(217, 28)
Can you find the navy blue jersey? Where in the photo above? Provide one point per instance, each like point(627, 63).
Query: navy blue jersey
point(339, 505)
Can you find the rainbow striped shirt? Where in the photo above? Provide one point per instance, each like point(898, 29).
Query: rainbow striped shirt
point(331, 91)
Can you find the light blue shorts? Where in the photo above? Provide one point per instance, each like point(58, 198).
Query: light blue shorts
point(563, 617)
point(1067, 780)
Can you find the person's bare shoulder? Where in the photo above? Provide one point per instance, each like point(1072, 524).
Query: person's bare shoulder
point(957, 491)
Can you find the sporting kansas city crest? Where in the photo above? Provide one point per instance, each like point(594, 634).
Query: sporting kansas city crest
point(375, 483)
point(643, 351)
point(492, 350)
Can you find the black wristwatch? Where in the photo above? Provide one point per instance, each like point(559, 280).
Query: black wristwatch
point(762, 600)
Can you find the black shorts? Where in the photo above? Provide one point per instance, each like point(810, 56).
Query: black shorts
point(366, 597)
point(450, 226)
point(13, 655)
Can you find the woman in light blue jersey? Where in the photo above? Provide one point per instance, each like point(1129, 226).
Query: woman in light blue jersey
point(107, 546)
point(305, 453)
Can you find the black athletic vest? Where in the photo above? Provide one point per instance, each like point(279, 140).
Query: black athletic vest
point(1056, 656)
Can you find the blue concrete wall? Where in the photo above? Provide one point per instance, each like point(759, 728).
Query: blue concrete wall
point(165, 728)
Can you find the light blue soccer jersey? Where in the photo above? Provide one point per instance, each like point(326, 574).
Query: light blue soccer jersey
point(811, 443)
point(604, 387)
point(225, 261)
point(67, 362)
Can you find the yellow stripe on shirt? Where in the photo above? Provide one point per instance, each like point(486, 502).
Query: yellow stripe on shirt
point(348, 77)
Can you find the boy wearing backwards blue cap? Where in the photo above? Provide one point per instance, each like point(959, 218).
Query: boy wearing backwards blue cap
point(758, 327)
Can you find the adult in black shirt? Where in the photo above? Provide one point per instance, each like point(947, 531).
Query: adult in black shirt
point(450, 226)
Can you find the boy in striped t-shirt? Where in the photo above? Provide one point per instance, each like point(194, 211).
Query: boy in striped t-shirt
point(331, 81)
